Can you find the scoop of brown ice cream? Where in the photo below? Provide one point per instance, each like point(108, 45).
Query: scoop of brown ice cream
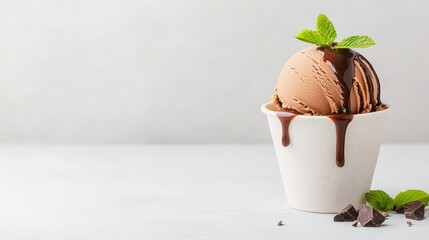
point(315, 81)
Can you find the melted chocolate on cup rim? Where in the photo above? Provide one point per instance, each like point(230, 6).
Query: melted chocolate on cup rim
point(341, 122)
point(285, 119)
point(342, 63)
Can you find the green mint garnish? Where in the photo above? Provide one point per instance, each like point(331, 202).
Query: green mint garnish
point(410, 196)
point(380, 200)
point(326, 29)
point(383, 202)
point(355, 42)
point(326, 34)
point(311, 36)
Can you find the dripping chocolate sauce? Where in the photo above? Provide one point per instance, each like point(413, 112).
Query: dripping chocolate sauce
point(341, 122)
point(285, 119)
point(342, 63)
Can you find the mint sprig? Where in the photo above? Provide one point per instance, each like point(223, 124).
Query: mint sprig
point(326, 29)
point(381, 201)
point(311, 36)
point(356, 42)
point(326, 34)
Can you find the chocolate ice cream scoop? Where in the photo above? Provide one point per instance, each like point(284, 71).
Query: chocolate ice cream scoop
point(324, 81)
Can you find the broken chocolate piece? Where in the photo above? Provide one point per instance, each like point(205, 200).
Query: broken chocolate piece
point(348, 214)
point(280, 223)
point(415, 210)
point(369, 217)
point(400, 210)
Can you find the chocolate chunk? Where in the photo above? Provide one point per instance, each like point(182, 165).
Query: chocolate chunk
point(348, 214)
point(403, 208)
point(400, 210)
point(369, 217)
point(415, 210)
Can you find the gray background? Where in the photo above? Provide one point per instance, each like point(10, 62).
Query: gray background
point(98, 71)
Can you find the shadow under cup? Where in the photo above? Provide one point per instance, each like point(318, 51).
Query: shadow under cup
point(313, 179)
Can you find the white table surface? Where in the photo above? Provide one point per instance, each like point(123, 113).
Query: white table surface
point(178, 192)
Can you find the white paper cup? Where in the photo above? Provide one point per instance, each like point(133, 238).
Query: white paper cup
point(311, 177)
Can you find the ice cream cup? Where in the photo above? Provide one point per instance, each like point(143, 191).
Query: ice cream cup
point(312, 179)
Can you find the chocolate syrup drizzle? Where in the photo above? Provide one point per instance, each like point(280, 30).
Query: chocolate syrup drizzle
point(342, 63)
point(341, 122)
point(285, 119)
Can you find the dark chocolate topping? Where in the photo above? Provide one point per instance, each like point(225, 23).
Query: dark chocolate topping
point(369, 217)
point(379, 103)
point(415, 210)
point(342, 63)
point(285, 119)
point(348, 214)
point(400, 210)
point(341, 122)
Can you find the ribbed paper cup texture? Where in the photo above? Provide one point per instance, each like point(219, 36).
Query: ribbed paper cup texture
point(312, 180)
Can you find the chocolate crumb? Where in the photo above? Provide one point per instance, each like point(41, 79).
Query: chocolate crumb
point(415, 210)
point(409, 223)
point(280, 223)
point(348, 214)
point(355, 224)
point(369, 217)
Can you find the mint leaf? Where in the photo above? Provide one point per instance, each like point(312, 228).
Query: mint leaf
point(410, 196)
point(326, 34)
point(326, 29)
point(356, 42)
point(311, 36)
point(380, 200)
